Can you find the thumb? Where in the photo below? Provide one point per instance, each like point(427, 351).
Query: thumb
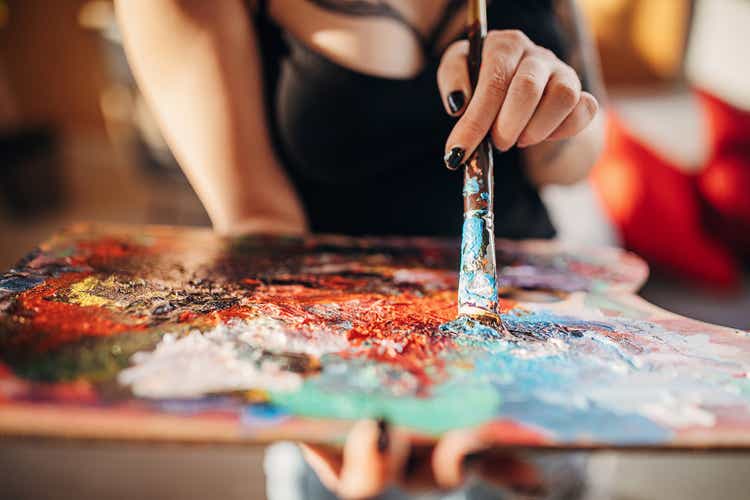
point(364, 472)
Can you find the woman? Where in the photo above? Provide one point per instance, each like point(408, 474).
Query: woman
point(291, 116)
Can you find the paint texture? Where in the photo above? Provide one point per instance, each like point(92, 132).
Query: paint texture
point(477, 283)
point(267, 338)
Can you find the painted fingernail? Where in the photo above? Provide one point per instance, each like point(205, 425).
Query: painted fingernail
point(456, 100)
point(454, 158)
point(384, 441)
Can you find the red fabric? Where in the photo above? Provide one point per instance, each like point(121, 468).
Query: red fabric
point(728, 126)
point(725, 183)
point(658, 211)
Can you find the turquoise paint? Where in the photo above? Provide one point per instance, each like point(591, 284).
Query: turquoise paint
point(361, 392)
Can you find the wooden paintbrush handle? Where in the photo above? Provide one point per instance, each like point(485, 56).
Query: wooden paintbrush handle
point(477, 31)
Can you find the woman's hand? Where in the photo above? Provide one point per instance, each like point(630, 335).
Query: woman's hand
point(375, 457)
point(525, 95)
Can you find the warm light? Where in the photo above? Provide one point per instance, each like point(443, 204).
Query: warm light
point(621, 187)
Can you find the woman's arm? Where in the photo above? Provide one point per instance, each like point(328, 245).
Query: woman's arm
point(569, 160)
point(198, 65)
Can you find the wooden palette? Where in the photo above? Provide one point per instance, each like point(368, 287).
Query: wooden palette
point(176, 335)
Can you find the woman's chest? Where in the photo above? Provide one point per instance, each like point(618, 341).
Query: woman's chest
point(392, 39)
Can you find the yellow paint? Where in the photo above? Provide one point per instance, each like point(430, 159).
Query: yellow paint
point(81, 292)
point(257, 396)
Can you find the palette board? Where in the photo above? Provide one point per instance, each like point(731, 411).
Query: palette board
point(176, 335)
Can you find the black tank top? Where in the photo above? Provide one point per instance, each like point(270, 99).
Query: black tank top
point(365, 152)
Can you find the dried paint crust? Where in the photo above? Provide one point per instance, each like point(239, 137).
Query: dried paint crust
point(173, 334)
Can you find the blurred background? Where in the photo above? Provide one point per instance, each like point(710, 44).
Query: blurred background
point(78, 143)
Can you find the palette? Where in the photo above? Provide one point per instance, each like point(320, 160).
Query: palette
point(176, 335)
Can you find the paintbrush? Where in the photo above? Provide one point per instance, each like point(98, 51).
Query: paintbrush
point(477, 287)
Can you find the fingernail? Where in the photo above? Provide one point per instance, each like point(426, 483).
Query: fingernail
point(454, 158)
point(456, 100)
point(384, 441)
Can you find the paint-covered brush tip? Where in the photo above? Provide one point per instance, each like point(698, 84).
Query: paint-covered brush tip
point(481, 326)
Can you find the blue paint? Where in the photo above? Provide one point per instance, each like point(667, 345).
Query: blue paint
point(19, 283)
point(477, 287)
point(469, 326)
point(263, 414)
point(555, 388)
point(471, 186)
point(588, 423)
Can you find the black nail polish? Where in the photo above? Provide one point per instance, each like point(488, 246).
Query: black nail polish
point(456, 100)
point(454, 158)
point(384, 441)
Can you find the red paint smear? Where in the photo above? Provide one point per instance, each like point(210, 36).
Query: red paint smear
point(379, 321)
point(105, 249)
point(78, 391)
point(59, 322)
point(187, 316)
point(109, 247)
point(407, 320)
point(506, 305)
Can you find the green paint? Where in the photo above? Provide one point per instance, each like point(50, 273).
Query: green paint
point(95, 359)
point(432, 415)
point(743, 386)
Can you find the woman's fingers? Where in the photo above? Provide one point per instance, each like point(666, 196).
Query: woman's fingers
point(453, 78)
point(501, 55)
point(365, 461)
point(450, 454)
point(325, 461)
point(561, 96)
point(578, 119)
point(524, 94)
point(372, 457)
point(459, 451)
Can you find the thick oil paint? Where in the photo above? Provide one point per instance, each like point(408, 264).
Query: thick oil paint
point(477, 285)
point(277, 336)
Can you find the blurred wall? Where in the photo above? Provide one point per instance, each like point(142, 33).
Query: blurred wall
point(52, 64)
point(718, 58)
point(640, 41)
